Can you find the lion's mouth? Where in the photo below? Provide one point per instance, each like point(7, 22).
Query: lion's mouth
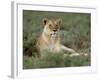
point(54, 35)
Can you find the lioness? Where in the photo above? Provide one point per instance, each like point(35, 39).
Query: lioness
point(50, 38)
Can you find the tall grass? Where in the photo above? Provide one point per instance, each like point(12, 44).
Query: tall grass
point(52, 60)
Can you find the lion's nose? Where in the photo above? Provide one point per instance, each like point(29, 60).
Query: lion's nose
point(54, 30)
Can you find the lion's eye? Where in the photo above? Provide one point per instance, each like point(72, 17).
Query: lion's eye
point(50, 25)
point(56, 25)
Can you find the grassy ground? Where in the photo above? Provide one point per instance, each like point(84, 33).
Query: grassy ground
point(75, 33)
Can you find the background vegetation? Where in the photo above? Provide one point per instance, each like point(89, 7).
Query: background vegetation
point(75, 33)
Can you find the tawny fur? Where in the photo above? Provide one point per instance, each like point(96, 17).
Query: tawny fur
point(50, 39)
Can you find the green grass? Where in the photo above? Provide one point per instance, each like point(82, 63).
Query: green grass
point(75, 33)
point(52, 60)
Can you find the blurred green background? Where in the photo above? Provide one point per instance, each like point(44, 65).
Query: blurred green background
point(75, 33)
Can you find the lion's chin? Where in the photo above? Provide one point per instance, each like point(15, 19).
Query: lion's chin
point(53, 36)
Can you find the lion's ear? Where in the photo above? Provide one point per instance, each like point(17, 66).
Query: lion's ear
point(59, 21)
point(45, 20)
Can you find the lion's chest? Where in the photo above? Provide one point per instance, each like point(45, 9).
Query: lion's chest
point(53, 46)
